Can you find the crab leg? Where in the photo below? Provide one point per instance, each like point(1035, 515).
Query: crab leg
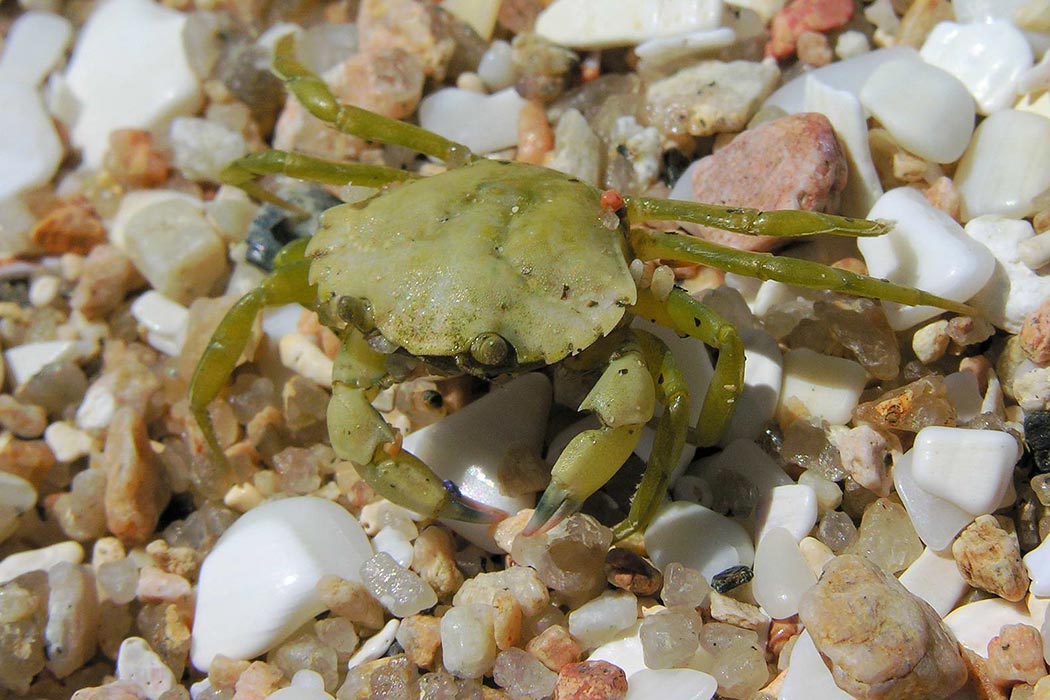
point(671, 429)
point(360, 434)
point(245, 173)
point(650, 245)
point(317, 98)
point(752, 222)
point(623, 399)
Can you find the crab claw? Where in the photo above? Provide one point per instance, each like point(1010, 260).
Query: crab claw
point(468, 510)
point(555, 505)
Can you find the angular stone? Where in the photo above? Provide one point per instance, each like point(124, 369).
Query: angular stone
point(136, 491)
point(989, 558)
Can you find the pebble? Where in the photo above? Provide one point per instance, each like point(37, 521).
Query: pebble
point(577, 573)
point(305, 685)
point(591, 680)
point(1001, 171)
point(989, 558)
point(136, 491)
point(1037, 562)
point(376, 646)
point(524, 677)
point(401, 591)
point(34, 45)
point(602, 24)
point(808, 677)
point(163, 319)
point(71, 632)
point(802, 16)
point(820, 387)
point(202, 148)
point(987, 57)
point(301, 355)
point(672, 49)
point(969, 468)
point(936, 520)
point(725, 543)
point(782, 575)
point(975, 624)
point(603, 618)
point(29, 145)
point(710, 97)
point(482, 123)
point(794, 162)
point(278, 551)
point(935, 578)
point(671, 684)
point(468, 647)
point(927, 110)
point(410, 26)
point(926, 249)
point(749, 461)
point(1015, 655)
point(482, 452)
point(1015, 290)
point(137, 663)
point(14, 565)
point(891, 645)
point(130, 68)
point(792, 507)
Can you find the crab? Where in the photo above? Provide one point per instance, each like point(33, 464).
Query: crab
point(494, 268)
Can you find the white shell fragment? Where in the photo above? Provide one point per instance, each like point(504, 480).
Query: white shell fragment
point(782, 575)
point(129, 69)
point(1004, 169)
point(968, 468)
point(974, 624)
point(30, 149)
point(1015, 290)
point(306, 685)
point(24, 361)
point(482, 123)
point(820, 386)
point(925, 249)
point(808, 677)
point(476, 447)
point(625, 651)
point(936, 520)
point(34, 45)
point(927, 110)
point(14, 565)
point(163, 319)
point(671, 684)
point(671, 537)
point(1038, 564)
point(935, 578)
point(257, 584)
point(599, 24)
point(988, 57)
point(376, 646)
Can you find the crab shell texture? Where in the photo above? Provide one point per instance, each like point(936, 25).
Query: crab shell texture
point(490, 247)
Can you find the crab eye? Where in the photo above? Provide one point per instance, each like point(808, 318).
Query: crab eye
point(489, 349)
point(356, 311)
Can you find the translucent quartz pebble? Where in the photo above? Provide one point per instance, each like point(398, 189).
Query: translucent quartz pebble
point(257, 585)
point(401, 591)
point(473, 446)
point(129, 68)
point(964, 394)
point(34, 45)
point(1002, 171)
point(598, 24)
point(523, 676)
point(926, 109)
point(671, 536)
point(739, 663)
point(482, 123)
point(29, 144)
point(671, 684)
point(826, 387)
point(781, 574)
point(974, 624)
point(837, 531)
point(670, 637)
point(16, 493)
point(569, 558)
point(987, 57)
point(747, 459)
point(118, 580)
point(887, 537)
point(138, 663)
point(968, 468)
point(1015, 290)
point(792, 507)
point(42, 559)
point(306, 685)
point(926, 249)
point(468, 647)
point(936, 520)
point(603, 618)
point(935, 578)
point(808, 678)
point(684, 587)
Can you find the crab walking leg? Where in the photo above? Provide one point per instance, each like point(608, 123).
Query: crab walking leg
point(649, 245)
point(287, 284)
point(623, 399)
point(690, 317)
point(245, 173)
point(317, 98)
point(360, 434)
point(671, 429)
point(752, 222)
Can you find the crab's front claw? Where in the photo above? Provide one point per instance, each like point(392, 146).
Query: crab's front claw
point(555, 505)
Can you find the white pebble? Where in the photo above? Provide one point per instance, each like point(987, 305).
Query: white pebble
point(671, 684)
point(14, 565)
point(792, 508)
point(1015, 289)
point(97, 407)
point(257, 584)
point(306, 685)
point(473, 446)
point(936, 520)
point(137, 663)
point(30, 149)
point(599, 24)
point(34, 45)
point(496, 68)
point(974, 624)
point(392, 541)
point(67, 442)
point(16, 493)
point(376, 646)
point(927, 110)
point(925, 249)
point(671, 537)
point(935, 578)
point(751, 462)
point(1035, 252)
point(819, 386)
point(781, 574)
point(25, 361)
point(625, 651)
point(479, 14)
point(163, 319)
point(482, 123)
point(129, 69)
point(1004, 169)
point(763, 375)
point(202, 148)
point(816, 553)
point(968, 468)
point(808, 677)
point(468, 644)
point(231, 212)
point(43, 290)
point(1038, 564)
point(303, 357)
point(670, 49)
point(604, 618)
point(987, 57)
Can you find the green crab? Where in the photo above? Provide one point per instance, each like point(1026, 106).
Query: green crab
point(493, 268)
